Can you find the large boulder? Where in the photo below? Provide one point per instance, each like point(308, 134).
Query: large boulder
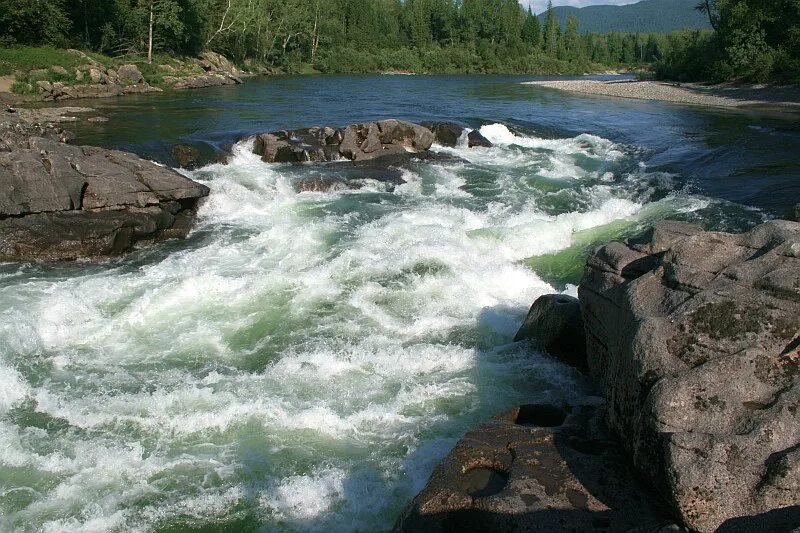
point(554, 322)
point(535, 468)
point(386, 137)
point(695, 339)
point(475, 139)
point(129, 75)
point(312, 144)
point(63, 202)
point(446, 133)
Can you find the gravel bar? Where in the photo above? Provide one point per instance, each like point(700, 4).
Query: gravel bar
point(724, 96)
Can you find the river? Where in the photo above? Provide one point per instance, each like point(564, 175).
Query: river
point(303, 360)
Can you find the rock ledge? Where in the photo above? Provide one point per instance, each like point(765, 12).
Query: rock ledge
point(64, 202)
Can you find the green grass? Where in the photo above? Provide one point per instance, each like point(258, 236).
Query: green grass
point(36, 57)
point(34, 63)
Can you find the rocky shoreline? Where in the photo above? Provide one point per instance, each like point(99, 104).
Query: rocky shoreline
point(693, 340)
point(93, 79)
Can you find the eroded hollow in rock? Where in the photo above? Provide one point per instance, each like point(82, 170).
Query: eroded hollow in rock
point(546, 416)
point(483, 482)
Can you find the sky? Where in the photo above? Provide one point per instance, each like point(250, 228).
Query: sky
point(540, 5)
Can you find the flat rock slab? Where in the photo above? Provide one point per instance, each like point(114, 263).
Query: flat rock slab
point(536, 468)
point(64, 202)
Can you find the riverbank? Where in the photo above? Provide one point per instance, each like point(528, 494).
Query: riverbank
point(693, 94)
point(50, 74)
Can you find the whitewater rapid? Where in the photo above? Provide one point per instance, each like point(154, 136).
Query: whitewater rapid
point(302, 361)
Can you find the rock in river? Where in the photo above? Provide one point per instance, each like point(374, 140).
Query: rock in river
point(555, 323)
point(447, 133)
point(695, 339)
point(64, 202)
point(384, 140)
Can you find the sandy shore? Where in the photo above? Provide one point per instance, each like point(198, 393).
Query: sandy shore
point(724, 96)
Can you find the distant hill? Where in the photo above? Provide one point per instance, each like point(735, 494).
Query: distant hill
point(648, 16)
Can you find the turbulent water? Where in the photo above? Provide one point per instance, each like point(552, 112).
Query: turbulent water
point(304, 359)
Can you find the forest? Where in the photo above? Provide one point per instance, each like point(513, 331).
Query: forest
point(752, 40)
point(436, 36)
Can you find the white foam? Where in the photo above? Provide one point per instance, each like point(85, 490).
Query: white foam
point(300, 498)
point(307, 357)
point(13, 388)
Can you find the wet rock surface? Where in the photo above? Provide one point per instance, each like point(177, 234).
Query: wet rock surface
point(476, 140)
point(446, 133)
point(64, 202)
point(389, 141)
point(554, 322)
point(536, 468)
point(695, 339)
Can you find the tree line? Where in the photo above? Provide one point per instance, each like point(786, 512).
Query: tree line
point(330, 35)
point(753, 40)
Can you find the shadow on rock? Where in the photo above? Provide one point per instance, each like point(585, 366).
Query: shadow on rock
point(539, 467)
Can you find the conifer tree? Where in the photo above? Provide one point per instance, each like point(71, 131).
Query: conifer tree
point(531, 31)
point(551, 31)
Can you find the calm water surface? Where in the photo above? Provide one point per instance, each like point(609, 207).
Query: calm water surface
point(302, 361)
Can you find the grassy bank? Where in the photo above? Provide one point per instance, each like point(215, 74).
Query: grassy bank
point(30, 64)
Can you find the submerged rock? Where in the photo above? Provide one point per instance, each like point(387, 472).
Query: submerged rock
point(555, 323)
point(63, 202)
point(537, 468)
point(695, 339)
point(186, 156)
point(794, 214)
point(320, 184)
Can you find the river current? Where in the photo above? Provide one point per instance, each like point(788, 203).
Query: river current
point(303, 360)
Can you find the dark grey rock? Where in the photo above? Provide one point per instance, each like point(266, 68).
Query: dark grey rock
point(384, 138)
point(536, 468)
point(357, 142)
point(476, 139)
point(554, 322)
point(694, 338)
point(446, 133)
point(320, 184)
point(312, 144)
point(63, 202)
